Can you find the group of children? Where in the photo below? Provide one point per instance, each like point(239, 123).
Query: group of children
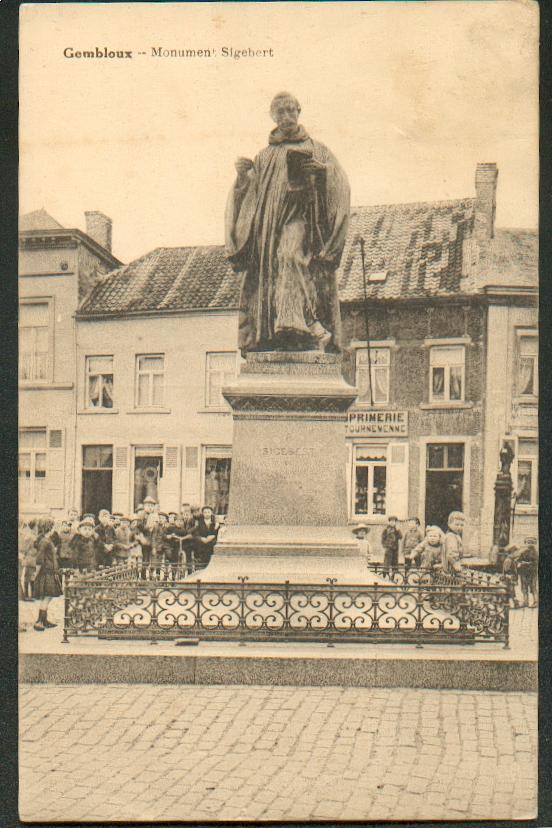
point(444, 551)
point(435, 550)
point(147, 537)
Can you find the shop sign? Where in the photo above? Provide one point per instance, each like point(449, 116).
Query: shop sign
point(378, 423)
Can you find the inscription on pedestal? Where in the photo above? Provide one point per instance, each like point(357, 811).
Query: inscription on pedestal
point(287, 451)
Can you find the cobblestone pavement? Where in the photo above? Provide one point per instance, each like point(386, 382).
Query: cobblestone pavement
point(123, 752)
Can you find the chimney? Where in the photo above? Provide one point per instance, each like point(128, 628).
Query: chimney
point(98, 227)
point(485, 200)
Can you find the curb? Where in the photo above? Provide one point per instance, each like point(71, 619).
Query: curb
point(438, 674)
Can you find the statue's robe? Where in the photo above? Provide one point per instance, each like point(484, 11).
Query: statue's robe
point(287, 244)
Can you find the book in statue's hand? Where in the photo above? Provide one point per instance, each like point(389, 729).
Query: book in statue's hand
point(296, 160)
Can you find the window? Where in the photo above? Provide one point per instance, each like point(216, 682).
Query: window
point(216, 489)
point(33, 341)
point(221, 370)
point(32, 466)
point(99, 382)
point(527, 474)
point(445, 456)
point(528, 366)
point(379, 367)
point(447, 374)
point(369, 480)
point(150, 380)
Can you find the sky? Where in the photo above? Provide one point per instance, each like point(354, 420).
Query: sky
point(409, 97)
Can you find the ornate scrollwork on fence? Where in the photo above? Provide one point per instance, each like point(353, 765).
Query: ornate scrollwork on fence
point(412, 606)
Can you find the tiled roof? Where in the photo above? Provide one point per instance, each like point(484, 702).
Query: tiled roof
point(511, 258)
point(412, 250)
point(38, 220)
point(418, 247)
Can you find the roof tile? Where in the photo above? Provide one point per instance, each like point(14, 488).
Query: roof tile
point(426, 249)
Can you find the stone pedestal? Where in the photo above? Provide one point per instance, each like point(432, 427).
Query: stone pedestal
point(287, 516)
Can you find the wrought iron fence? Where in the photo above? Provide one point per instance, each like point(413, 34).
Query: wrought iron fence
point(157, 604)
point(403, 574)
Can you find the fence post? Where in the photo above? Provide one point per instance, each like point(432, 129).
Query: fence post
point(506, 605)
point(331, 619)
point(243, 579)
point(419, 619)
point(66, 581)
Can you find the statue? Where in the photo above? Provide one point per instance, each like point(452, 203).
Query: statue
point(506, 457)
point(286, 223)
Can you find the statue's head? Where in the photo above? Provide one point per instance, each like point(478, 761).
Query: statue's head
point(284, 110)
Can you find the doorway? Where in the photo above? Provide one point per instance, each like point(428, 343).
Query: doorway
point(444, 482)
point(148, 473)
point(97, 479)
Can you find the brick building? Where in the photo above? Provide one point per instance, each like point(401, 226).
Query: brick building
point(448, 299)
point(57, 268)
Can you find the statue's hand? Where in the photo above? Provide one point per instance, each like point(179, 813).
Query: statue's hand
point(243, 165)
point(310, 166)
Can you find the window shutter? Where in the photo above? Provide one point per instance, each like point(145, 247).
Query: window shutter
point(169, 495)
point(397, 480)
point(120, 479)
point(55, 472)
point(191, 457)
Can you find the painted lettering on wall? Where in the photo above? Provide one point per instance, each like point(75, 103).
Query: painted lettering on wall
point(287, 451)
point(377, 422)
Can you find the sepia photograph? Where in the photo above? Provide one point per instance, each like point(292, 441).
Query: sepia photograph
point(278, 540)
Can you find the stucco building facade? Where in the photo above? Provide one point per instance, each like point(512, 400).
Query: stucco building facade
point(448, 305)
point(57, 268)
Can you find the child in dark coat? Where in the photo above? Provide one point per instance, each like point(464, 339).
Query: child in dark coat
point(83, 546)
point(390, 538)
point(48, 579)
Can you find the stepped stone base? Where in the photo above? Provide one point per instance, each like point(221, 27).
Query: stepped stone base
point(287, 517)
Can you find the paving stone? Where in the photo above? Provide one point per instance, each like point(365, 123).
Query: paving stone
point(274, 753)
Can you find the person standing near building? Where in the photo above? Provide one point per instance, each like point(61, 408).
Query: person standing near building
point(510, 573)
point(27, 556)
point(361, 533)
point(412, 537)
point(454, 546)
point(390, 539)
point(144, 529)
point(205, 534)
point(105, 539)
point(66, 535)
point(83, 546)
point(527, 562)
point(48, 579)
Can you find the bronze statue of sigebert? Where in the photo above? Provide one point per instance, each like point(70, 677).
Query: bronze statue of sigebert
point(286, 223)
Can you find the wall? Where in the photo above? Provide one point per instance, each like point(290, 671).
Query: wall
point(503, 416)
point(408, 327)
point(52, 273)
point(183, 422)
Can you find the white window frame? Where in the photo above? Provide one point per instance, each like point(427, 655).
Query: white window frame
point(151, 374)
point(369, 464)
point(39, 300)
point(526, 334)
point(87, 374)
point(221, 405)
point(361, 367)
point(434, 352)
point(32, 452)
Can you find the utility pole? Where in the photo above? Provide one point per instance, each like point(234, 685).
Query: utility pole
point(366, 320)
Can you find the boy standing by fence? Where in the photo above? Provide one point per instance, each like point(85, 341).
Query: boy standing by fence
point(390, 538)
